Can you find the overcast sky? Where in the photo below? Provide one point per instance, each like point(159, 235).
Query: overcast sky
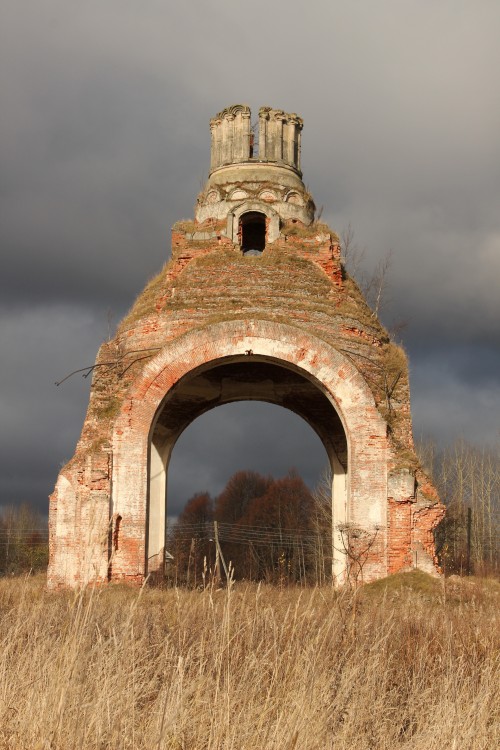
point(105, 143)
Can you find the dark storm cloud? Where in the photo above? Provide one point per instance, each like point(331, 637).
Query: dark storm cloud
point(39, 422)
point(446, 405)
point(105, 143)
point(99, 159)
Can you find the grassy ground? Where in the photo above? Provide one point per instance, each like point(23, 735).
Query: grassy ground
point(408, 662)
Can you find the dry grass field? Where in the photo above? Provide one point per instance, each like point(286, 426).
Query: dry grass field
point(409, 662)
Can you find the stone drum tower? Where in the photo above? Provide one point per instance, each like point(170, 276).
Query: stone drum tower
point(254, 304)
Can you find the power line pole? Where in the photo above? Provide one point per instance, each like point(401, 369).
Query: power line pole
point(219, 555)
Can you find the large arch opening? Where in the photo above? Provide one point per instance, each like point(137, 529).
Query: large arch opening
point(186, 379)
point(254, 436)
point(259, 474)
point(247, 378)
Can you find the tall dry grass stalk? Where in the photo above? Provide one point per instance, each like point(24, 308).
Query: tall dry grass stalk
point(405, 663)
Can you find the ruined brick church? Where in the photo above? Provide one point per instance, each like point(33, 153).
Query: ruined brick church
point(254, 304)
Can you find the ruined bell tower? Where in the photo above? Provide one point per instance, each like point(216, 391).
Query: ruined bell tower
point(255, 180)
point(254, 304)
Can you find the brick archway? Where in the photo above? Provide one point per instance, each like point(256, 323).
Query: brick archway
point(285, 347)
point(213, 307)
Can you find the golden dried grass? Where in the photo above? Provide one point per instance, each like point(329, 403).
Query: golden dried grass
point(406, 663)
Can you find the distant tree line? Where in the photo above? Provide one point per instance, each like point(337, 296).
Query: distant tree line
point(23, 541)
point(264, 528)
point(277, 530)
point(467, 476)
point(468, 481)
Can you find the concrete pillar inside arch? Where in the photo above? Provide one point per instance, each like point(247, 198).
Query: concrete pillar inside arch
point(159, 456)
point(339, 518)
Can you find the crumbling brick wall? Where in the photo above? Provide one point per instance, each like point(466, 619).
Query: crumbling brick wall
point(301, 307)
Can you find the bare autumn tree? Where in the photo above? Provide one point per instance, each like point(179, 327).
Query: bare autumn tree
point(190, 541)
point(23, 540)
point(467, 477)
point(231, 506)
point(265, 528)
point(240, 491)
point(375, 285)
point(279, 521)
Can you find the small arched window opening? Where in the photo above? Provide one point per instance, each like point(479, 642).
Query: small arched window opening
point(252, 232)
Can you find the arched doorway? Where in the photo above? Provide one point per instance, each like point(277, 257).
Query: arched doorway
point(231, 361)
point(253, 436)
point(254, 475)
point(252, 232)
point(245, 378)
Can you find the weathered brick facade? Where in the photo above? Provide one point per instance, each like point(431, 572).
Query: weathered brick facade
point(254, 304)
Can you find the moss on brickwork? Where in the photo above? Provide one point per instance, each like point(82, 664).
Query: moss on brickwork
point(280, 285)
point(190, 226)
point(145, 302)
point(354, 306)
point(392, 586)
point(298, 229)
point(185, 225)
point(216, 283)
point(109, 409)
point(259, 274)
point(98, 444)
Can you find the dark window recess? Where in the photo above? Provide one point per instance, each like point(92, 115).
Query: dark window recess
point(253, 232)
point(116, 533)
